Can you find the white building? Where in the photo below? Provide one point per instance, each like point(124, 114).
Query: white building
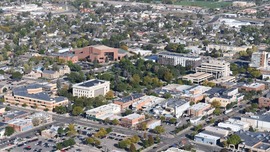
point(174, 59)
point(216, 67)
point(197, 77)
point(176, 106)
point(91, 88)
point(2, 133)
point(103, 112)
point(234, 125)
point(152, 124)
point(261, 122)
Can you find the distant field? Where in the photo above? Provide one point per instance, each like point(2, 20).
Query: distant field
point(205, 4)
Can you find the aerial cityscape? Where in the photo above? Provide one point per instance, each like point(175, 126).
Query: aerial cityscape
point(135, 76)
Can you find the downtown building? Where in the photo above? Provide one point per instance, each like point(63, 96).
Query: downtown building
point(215, 67)
point(35, 95)
point(91, 88)
point(168, 58)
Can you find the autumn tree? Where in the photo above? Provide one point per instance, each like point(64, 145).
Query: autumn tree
point(132, 148)
point(216, 104)
point(109, 95)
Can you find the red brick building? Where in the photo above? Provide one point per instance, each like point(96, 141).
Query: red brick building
point(132, 119)
point(253, 87)
point(101, 53)
point(264, 102)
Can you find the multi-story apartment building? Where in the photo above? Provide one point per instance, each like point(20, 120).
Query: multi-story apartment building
point(259, 59)
point(91, 88)
point(33, 95)
point(216, 67)
point(103, 112)
point(174, 59)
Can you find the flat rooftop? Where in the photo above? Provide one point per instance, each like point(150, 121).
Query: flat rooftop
point(22, 91)
point(253, 85)
point(133, 116)
point(90, 83)
point(265, 117)
point(199, 106)
point(198, 75)
point(178, 55)
point(252, 138)
point(224, 79)
point(175, 102)
point(101, 47)
point(130, 98)
point(207, 135)
point(15, 114)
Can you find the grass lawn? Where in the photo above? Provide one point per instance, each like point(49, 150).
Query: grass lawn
point(205, 4)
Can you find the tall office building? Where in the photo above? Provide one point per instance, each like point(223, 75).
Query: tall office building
point(174, 59)
point(216, 67)
point(259, 59)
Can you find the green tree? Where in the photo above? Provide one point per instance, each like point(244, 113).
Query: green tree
point(24, 105)
point(167, 95)
point(159, 130)
point(9, 131)
point(115, 122)
point(173, 120)
point(132, 148)
point(135, 80)
point(59, 146)
point(168, 76)
point(61, 131)
point(71, 130)
point(127, 112)
point(123, 144)
point(217, 111)
point(77, 111)
point(108, 130)
point(60, 109)
point(135, 139)
point(251, 129)
point(143, 126)
point(234, 139)
point(90, 140)
point(162, 118)
point(7, 108)
point(16, 75)
point(151, 140)
point(198, 128)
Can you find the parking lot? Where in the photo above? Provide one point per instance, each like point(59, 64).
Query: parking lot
point(35, 143)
